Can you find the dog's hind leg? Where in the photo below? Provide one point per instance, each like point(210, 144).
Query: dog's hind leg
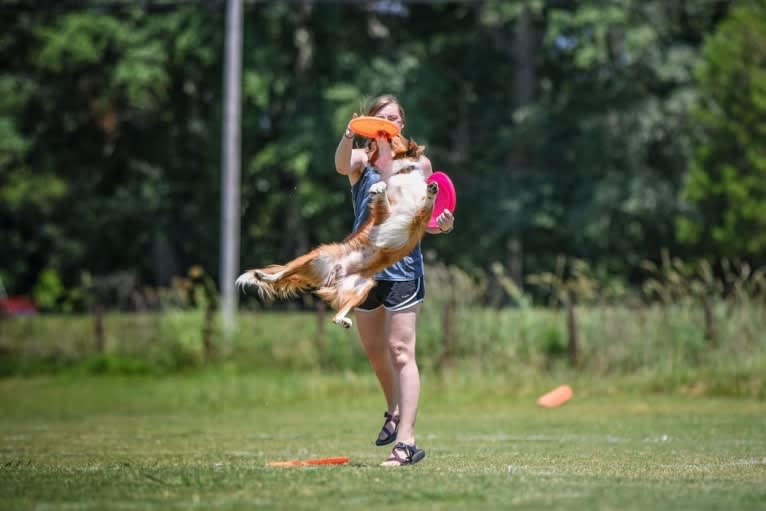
point(277, 272)
point(269, 277)
point(333, 275)
point(350, 297)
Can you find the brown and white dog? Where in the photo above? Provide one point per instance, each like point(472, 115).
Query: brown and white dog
point(342, 274)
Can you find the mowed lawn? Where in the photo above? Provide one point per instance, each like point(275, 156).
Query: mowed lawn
point(203, 441)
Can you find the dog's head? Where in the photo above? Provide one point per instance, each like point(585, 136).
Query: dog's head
point(406, 148)
point(402, 146)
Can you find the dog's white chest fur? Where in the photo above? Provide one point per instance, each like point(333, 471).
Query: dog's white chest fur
point(406, 195)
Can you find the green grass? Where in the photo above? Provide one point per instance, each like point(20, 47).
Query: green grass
point(202, 440)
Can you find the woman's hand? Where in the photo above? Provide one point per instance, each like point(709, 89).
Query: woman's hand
point(446, 221)
point(348, 133)
point(385, 154)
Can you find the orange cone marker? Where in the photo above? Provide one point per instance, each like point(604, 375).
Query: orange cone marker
point(555, 397)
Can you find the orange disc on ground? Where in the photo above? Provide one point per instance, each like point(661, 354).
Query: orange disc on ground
point(556, 397)
point(338, 460)
point(369, 126)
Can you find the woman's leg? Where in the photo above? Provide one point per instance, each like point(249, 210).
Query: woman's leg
point(401, 329)
point(372, 331)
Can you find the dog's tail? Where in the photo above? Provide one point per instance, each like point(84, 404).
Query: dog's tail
point(282, 288)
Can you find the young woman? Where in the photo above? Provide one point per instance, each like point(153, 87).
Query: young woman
point(387, 320)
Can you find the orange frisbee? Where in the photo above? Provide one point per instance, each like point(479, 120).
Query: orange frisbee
point(555, 397)
point(339, 460)
point(369, 126)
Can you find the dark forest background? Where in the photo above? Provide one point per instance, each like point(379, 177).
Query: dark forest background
point(606, 133)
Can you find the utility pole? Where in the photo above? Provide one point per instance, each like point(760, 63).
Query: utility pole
point(231, 172)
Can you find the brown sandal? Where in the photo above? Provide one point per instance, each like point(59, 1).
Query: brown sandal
point(388, 435)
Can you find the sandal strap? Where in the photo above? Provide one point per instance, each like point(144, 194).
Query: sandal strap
point(409, 453)
point(409, 449)
point(391, 417)
point(396, 457)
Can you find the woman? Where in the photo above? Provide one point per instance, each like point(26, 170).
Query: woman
point(388, 317)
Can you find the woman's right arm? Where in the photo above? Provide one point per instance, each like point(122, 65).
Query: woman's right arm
point(349, 161)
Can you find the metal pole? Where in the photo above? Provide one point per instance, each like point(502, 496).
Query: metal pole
point(230, 178)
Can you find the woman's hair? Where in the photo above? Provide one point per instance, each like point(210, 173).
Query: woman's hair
point(379, 103)
point(375, 106)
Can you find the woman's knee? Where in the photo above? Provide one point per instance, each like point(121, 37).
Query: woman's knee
point(401, 340)
point(402, 351)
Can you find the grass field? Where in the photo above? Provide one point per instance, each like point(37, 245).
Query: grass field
point(202, 440)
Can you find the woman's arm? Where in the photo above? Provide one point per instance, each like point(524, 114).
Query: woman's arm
point(349, 161)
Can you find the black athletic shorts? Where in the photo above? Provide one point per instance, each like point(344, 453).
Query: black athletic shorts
point(394, 295)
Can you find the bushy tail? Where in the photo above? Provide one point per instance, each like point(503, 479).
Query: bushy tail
point(286, 287)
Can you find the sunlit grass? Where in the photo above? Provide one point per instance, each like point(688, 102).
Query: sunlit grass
point(202, 441)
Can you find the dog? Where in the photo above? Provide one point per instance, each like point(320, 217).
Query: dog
point(342, 274)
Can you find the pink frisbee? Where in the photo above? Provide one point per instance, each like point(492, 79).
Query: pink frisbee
point(445, 199)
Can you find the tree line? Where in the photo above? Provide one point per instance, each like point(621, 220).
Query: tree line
point(603, 131)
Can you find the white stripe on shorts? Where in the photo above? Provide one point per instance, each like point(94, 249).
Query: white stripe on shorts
point(409, 302)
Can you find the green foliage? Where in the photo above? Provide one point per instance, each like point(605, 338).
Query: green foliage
point(565, 127)
point(49, 289)
point(25, 191)
point(113, 116)
point(727, 176)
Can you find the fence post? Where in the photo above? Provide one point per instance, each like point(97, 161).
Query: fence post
point(207, 330)
point(448, 325)
point(711, 334)
point(571, 327)
point(98, 327)
point(321, 309)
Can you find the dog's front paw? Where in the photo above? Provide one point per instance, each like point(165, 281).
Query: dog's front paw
point(344, 322)
point(377, 188)
point(433, 189)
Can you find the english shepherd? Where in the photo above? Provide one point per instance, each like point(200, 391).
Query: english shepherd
point(342, 274)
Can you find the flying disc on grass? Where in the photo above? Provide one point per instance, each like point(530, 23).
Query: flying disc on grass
point(445, 199)
point(339, 460)
point(370, 127)
point(555, 397)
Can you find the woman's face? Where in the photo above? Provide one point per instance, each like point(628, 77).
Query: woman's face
point(391, 112)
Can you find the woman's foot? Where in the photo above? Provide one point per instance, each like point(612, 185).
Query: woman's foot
point(404, 454)
point(390, 428)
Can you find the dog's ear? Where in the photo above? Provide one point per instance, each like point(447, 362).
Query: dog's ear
point(414, 150)
point(400, 145)
point(404, 147)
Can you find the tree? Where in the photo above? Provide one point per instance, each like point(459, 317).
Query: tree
point(727, 177)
